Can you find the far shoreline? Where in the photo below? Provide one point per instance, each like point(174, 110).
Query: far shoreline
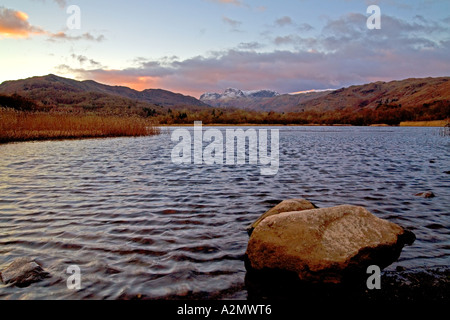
point(432, 123)
point(423, 124)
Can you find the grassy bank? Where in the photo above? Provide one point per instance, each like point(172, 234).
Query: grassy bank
point(436, 123)
point(27, 126)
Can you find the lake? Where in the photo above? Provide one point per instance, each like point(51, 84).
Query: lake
point(139, 225)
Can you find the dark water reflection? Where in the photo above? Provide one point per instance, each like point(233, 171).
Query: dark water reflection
point(137, 224)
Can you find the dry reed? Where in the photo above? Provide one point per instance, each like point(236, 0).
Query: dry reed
point(25, 126)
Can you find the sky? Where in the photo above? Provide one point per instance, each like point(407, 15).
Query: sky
point(198, 46)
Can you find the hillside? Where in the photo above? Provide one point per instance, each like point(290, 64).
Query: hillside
point(410, 93)
point(52, 90)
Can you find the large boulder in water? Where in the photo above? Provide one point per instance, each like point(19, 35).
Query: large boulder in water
point(23, 272)
point(325, 245)
point(285, 206)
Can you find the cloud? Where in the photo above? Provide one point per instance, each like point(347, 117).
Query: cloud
point(395, 3)
point(344, 53)
point(396, 34)
point(261, 8)
point(14, 24)
point(305, 27)
point(284, 21)
point(83, 60)
point(286, 40)
point(284, 71)
point(233, 2)
point(62, 36)
point(234, 24)
point(281, 70)
point(287, 21)
point(250, 45)
point(61, 3)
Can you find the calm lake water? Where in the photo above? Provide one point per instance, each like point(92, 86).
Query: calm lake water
point(136, 224)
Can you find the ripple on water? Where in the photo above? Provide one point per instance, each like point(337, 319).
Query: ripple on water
point(137, 224)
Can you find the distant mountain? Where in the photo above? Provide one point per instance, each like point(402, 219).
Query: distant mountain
point(258, 100)
point(409, 93)
point(54, 90)
point(232, 93)
point(238, 98)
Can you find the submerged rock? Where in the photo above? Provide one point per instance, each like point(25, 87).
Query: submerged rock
point(23, 272)
point(426, 195)
point(325, 245)
point(285, 206)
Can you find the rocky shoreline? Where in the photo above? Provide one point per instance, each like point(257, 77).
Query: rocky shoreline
point(421, 285)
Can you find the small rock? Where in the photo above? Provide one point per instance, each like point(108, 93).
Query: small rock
point(325, 245)
point(285, 206)
point(426, 195)
point(22, 272)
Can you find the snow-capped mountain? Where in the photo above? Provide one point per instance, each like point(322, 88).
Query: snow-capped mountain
point(260, 100)
point(232, 93)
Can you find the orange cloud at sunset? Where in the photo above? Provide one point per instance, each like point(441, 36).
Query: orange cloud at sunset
point(143, 83)
point(14, 24)
point(115, 78)
point(22, 15)
point(136, 83)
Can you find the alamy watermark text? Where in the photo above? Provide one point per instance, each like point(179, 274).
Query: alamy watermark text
point(231, 150)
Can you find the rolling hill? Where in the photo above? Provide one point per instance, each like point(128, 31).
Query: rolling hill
point(409, 93)
point(52, 90)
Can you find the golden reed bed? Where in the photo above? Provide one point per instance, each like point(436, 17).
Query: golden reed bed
point(24, 126)
point(435, 123)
